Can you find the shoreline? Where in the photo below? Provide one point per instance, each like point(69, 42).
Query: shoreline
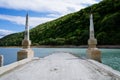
point(66, 46)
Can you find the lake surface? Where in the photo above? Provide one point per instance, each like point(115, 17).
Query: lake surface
point(110, 57)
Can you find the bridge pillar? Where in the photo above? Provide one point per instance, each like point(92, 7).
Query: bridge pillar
point(93, 52)
point(26, 52)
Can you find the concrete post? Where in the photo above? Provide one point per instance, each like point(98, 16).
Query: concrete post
point(93, 52)
point(26, 52)
point(1, 60)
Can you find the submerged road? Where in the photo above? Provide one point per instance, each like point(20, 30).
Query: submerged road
point(62, 66)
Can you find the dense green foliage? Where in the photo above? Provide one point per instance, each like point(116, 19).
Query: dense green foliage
point(73, 29)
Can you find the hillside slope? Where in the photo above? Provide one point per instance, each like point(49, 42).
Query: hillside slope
point(73, 29)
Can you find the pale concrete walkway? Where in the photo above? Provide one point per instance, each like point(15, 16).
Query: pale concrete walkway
point(62, 66)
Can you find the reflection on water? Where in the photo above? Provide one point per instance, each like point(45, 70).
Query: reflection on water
point(110, 57)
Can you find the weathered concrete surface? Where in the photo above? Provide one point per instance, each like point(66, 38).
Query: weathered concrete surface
point(12, 66)
point(94, 53)
point(62, 66)
point(25, 53)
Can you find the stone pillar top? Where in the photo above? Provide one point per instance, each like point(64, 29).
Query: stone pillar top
point(92, 40)
point(26, 28)
point(91, 27)
point(26, 42)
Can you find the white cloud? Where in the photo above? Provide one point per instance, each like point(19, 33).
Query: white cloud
point(4, 32)
point(15, 19)
point(33, 21)
point(53, 15)
point(60, 6)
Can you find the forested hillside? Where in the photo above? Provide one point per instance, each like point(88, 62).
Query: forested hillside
point(73, 29)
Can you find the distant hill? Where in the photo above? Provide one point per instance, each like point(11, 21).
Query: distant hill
point(73, 29)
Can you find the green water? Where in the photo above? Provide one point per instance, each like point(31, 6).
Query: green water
point(110, 57)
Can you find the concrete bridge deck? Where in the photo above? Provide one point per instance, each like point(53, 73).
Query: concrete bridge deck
point(61, 66)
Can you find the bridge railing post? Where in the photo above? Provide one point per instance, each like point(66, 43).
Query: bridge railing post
point(1, 60)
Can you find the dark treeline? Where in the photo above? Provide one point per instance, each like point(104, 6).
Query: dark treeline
point(73, 29)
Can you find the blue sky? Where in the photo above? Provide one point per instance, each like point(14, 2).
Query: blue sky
point(12, 12)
